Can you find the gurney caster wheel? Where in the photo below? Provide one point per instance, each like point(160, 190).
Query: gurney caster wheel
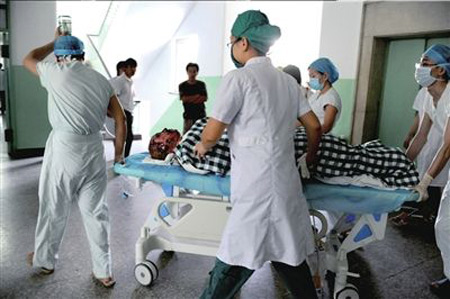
point(146, 272)
point(349, 292)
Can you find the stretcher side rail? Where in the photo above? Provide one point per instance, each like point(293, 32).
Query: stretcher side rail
point(321, 196)
point(199, 228)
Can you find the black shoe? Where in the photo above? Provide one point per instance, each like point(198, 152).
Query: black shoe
point(441, 288)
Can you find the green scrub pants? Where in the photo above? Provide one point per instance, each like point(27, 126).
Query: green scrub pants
point(226, 280)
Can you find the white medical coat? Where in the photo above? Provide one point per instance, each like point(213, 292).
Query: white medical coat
point(439, 117)
point(433, 143)
point(269, 220)
point(319, 101)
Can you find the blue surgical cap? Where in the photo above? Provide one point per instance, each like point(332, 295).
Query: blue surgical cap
point(68, 45)
point(324, 65)
point(440, 54)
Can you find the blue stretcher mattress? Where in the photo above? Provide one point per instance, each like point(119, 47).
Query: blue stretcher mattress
point(320, 196)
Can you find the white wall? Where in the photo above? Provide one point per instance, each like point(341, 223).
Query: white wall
point(340, 36)
point(300, 24)
point(87, 16)
point(155, 88)
point(205, 19)
point(95, 12)
point(141, 30)
point(33, 24)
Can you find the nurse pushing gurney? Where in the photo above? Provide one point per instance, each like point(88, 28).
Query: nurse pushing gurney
point(433, 73)
point(268, 221)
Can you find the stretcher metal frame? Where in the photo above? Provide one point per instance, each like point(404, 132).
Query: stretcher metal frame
point(192, 221)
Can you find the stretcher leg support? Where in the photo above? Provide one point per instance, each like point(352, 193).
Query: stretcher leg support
point(368, 228)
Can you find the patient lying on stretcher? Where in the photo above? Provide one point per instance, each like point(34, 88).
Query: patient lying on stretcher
point(336, 158)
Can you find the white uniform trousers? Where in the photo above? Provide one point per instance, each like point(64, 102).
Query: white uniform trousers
point(442, 229)
point(74, 170)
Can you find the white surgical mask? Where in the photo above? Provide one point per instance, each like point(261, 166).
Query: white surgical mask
point(423, 75)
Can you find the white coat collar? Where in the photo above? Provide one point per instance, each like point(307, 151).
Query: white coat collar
point(259, 59)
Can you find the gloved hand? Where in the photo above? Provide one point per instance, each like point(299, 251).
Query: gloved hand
point(422, 187)
point(303, 167)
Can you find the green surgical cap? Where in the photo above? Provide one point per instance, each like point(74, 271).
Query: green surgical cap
point(254, 25)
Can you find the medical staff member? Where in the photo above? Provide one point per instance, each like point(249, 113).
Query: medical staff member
point(433, 72)
point(434, 140)
point(426, 155)
point(269, 220)
point(325, 102)
point(74, 166)
point(123, 87)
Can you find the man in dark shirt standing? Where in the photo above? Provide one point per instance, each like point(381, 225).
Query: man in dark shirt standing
point(193, 95)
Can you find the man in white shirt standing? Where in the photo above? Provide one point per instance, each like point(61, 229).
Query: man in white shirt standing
point(123, 86)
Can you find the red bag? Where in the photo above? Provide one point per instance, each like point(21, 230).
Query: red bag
point(163, 143)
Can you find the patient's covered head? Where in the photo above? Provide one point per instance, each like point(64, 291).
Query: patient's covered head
point(163, 143)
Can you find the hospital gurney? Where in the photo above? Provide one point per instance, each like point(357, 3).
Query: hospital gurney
point(192, 222)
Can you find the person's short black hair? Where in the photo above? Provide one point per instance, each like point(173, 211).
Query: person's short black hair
point(192, 64)
point(120, 64)
point(130, 62)
point(1, 65)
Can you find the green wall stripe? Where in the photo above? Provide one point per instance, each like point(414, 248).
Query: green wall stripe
point(28, 110)
point(346, 89)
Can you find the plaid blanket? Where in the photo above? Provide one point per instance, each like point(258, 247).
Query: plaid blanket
point(217, 160)
point(336, 157)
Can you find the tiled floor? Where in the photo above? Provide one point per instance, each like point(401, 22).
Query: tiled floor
point(400, 266)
